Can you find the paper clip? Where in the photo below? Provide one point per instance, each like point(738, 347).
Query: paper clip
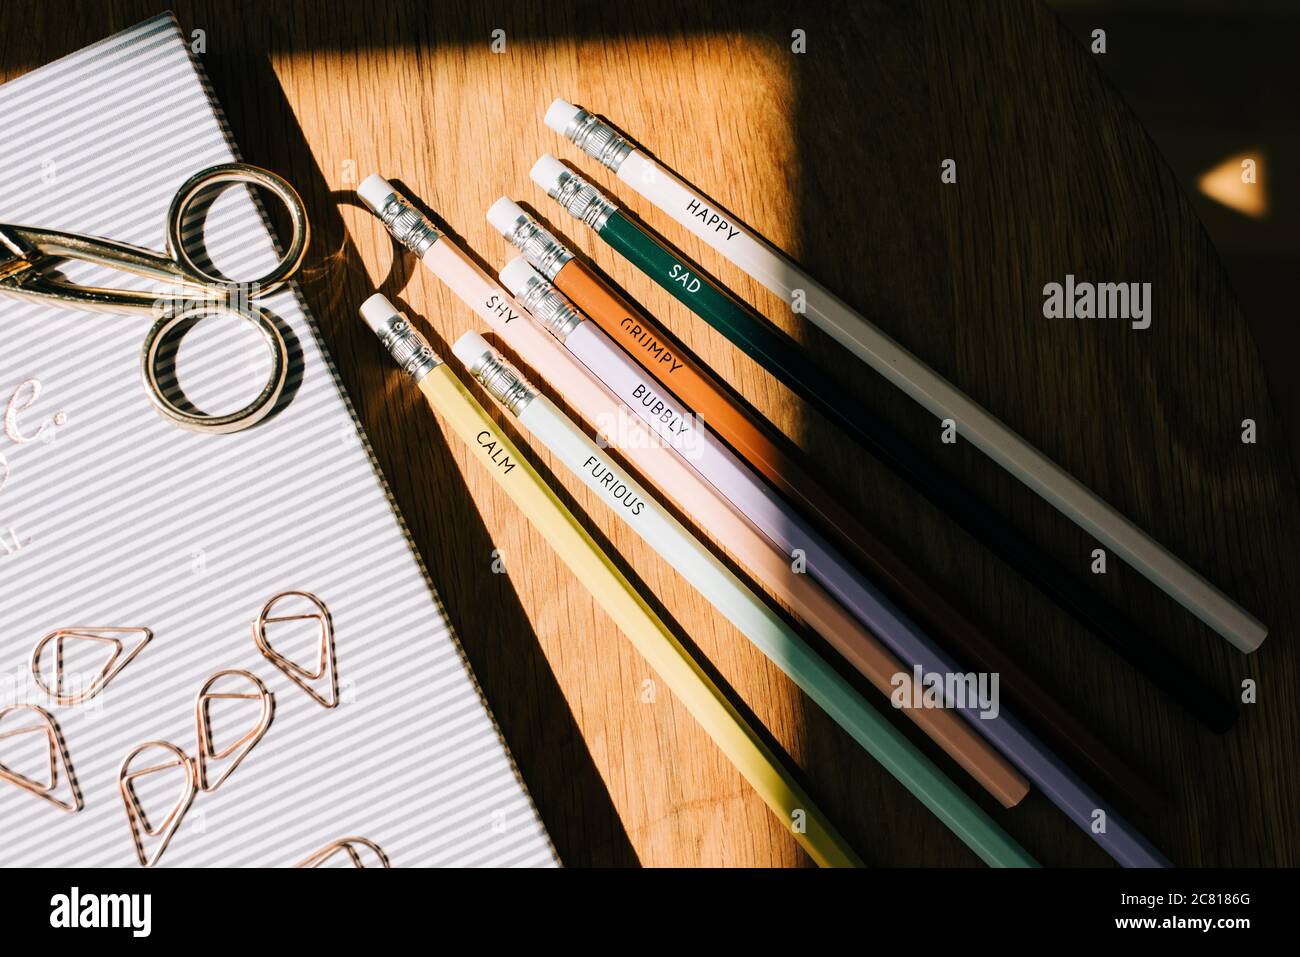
point(348, 846)
point(115, 663)
point(325, 666)
point(58, 757)
point(203, 731)
point(135, 813)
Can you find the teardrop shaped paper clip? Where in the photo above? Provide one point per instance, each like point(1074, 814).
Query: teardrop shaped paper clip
point(34, 720)
point(141, 827)
point(350, 846)
point(324, 673)
point(203, 725)
point(118, 658)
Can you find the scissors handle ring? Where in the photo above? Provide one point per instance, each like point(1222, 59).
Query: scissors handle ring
point(240, 173)
point(197, 421)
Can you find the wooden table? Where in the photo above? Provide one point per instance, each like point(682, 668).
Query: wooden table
point(835, 155)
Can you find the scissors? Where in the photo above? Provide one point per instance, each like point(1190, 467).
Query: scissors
point(26, 254)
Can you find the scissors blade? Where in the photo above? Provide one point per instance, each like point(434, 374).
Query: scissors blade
point(25, 251)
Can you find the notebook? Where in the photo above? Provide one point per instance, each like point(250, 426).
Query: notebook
point(111, 517)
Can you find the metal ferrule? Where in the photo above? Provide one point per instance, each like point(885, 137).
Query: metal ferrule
point(582, 200)
point(551, 308)
point(408, 346)
point(409, 226)
point(598, 139)
point(543, 251)
point(503, 381)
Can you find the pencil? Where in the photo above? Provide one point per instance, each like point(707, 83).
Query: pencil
point(762, 261)
point(611, 590)
point(758, 442)
point(776, 353)
point(541, 352)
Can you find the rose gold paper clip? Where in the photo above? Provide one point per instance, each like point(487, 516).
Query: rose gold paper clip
point(203, 729)
point(42, 722)
point(325, 673)
point(115, 663)
point(351, 847)
point(141, 827)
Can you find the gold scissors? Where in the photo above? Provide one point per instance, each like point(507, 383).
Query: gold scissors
point(26, 254)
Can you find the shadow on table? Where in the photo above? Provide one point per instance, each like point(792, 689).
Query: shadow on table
point(443, 520)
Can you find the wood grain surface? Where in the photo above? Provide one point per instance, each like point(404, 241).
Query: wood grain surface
point(834, 154)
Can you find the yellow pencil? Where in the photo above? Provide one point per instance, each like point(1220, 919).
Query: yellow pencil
point(612, 591)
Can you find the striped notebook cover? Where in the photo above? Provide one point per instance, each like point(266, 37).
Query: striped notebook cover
point(112, 518)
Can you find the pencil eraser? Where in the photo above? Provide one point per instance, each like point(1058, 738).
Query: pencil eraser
point(374, 191)
point(517, 274)
point(504, 215)
point(560, 114)
point(548, 172)
point(469, 348)
point(377, 310)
